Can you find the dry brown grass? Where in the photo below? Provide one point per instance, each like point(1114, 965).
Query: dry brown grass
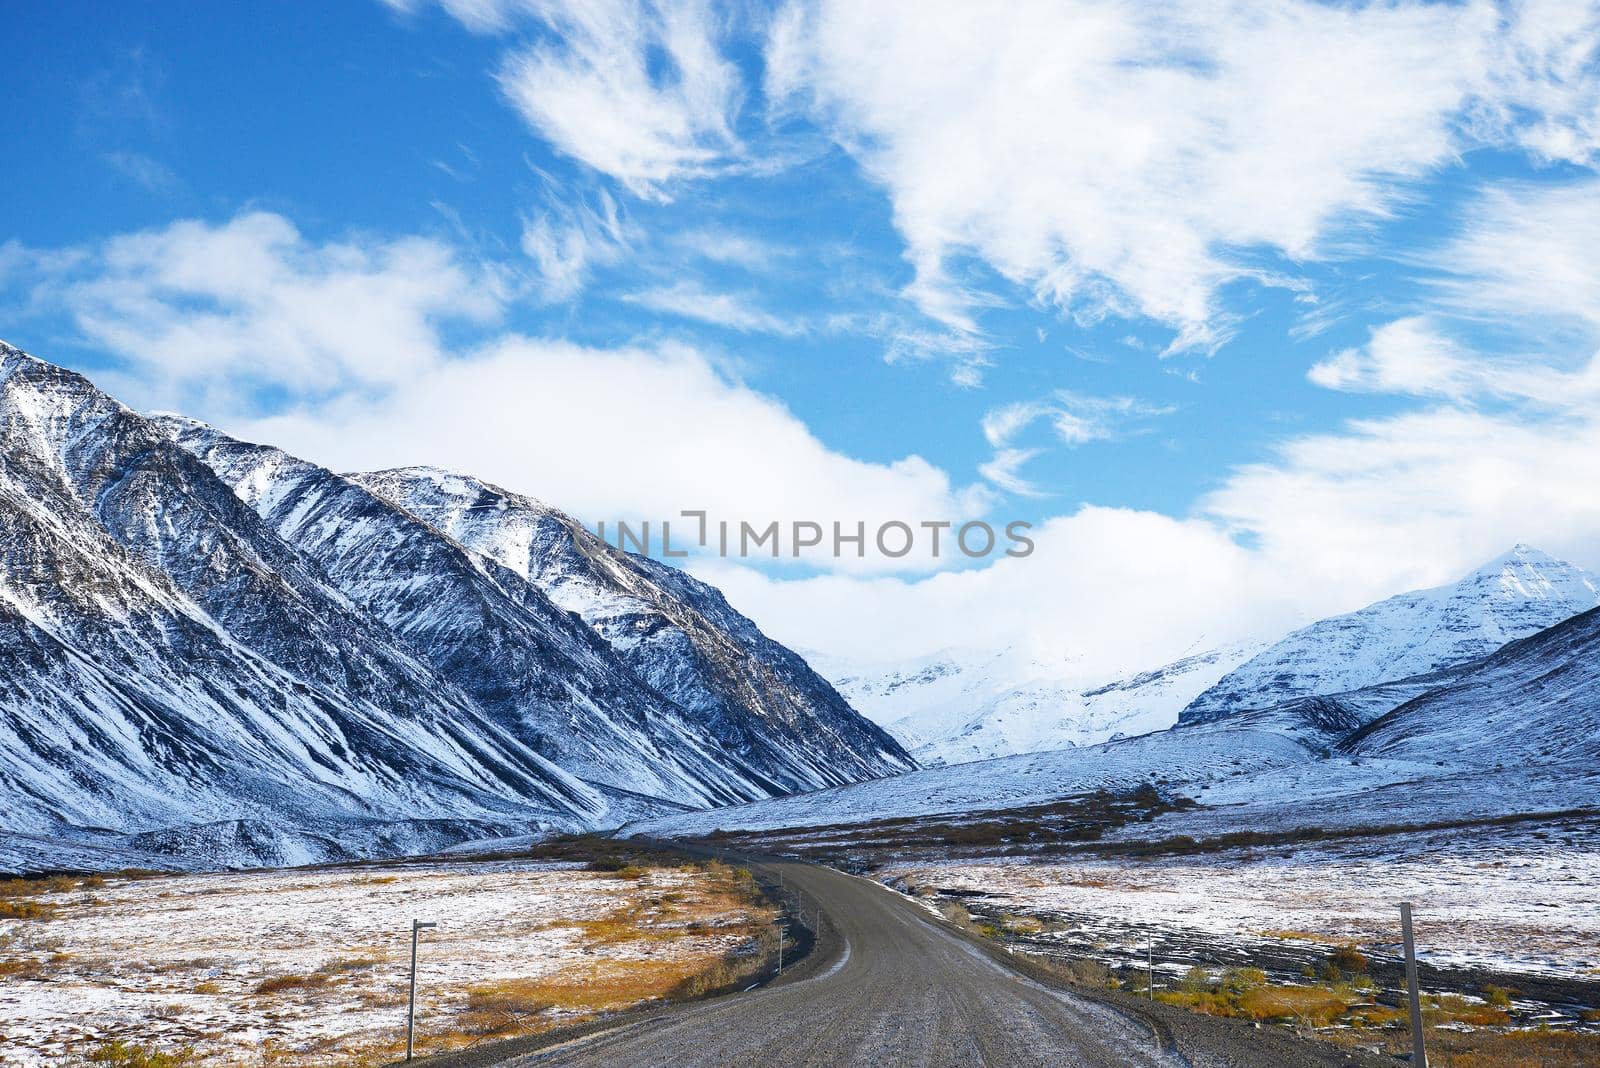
point(1452, 1008)
point(1308, 1004)
point(720, 897)
point(1455, 1048)
point(1289, 934)
point(1521, 1049)
point(353, 963)
point(24, 909)
point(22, 968)
point(277, 984)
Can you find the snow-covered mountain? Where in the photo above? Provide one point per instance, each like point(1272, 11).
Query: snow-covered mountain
point(1533, 702)
point(318, 672)
point(952, 708)
point(1513, 732)
point(167, 659)
point(757, 699)
point(1411, 634)
point(539, 672)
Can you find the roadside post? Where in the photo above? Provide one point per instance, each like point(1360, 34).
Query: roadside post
point(1419, 1051)
point(411, 1002)
point(1150, 964)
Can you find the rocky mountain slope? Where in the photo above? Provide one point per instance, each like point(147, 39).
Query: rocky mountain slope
point(1535, 701)
point(169, 660)
point(317, 673)
point(1411, 634)
point(539, 672)
point(679, 636)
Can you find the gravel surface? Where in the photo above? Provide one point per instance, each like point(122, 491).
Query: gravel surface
point(888, 983)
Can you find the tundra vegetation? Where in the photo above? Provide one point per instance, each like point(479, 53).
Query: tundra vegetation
point(310, 966)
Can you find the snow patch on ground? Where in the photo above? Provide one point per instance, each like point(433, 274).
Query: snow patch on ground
point(1526, 903)
point(178, 960)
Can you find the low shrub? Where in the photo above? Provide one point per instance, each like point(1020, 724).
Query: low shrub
point(120, 1054)
point(277, 984)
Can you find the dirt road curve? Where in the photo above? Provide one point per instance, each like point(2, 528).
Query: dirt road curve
point(891, 985)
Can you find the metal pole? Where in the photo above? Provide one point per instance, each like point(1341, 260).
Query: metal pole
point(1150, 963)
point(1419, 1051)
point(411, 1002)
point(780, 944)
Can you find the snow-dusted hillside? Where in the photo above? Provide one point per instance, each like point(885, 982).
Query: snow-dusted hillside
point(166, 659)
point(676, 634)
point(1534, 702)
point(541, 673)
point(1414, 633)
point(957, 707)
point(319, 673)
point(1195, 757)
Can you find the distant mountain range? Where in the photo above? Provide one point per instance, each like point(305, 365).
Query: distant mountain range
point(960, 707)
point(1510, 597)
point(1514, 732)
point(956, 707)
point(215, 649)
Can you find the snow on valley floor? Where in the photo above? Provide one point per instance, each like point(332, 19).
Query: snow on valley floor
point(180, 961)
point(1512, 902)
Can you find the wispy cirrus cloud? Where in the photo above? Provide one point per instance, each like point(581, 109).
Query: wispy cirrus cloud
point(1141, 161)
point(1075, 419)
point(689, 300)
point(1525, 252)
point(638, 90)
point(567, 240)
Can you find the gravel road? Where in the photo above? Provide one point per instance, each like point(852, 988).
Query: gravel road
point(890, 984)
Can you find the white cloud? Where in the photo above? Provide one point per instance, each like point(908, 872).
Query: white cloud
point(1124, 159)
point(1545, 94)
point(689, 301)
point(1417, 497)
point(566, 244)
point(347, 338)
point(251, 302)
point(1077, 418)
point(1412, 356)
point(1526, 252)
point(1111, 588)
point(1004, 469)
point(1405, 356)
point(1329, 523)
point(728, 246)
point(634, 433)
point(592, 88)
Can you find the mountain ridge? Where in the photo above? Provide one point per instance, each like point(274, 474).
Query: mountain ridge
point(178, 675)
point(1516, 594)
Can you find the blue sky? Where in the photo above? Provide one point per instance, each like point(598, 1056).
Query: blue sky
point(1287, 305)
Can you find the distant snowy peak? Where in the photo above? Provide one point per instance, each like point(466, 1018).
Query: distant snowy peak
point(1510, 597)
point(957, 707)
